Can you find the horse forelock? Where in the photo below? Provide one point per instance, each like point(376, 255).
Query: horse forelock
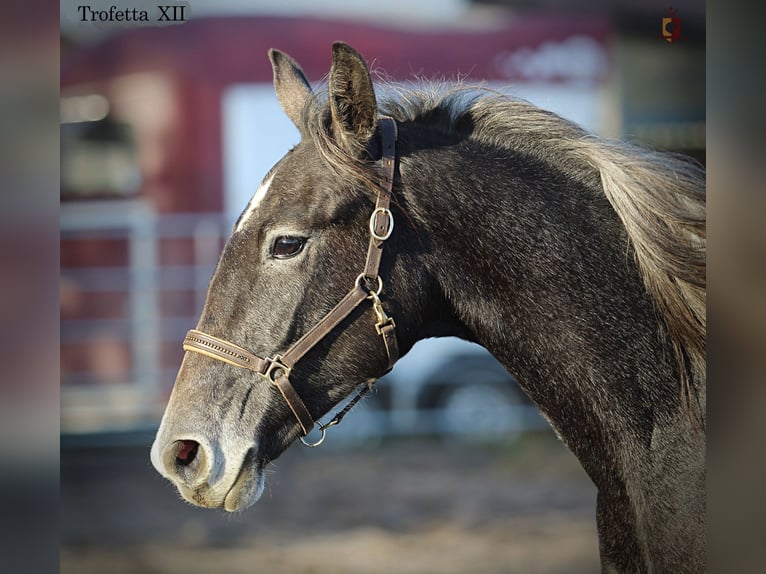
point(658, 197)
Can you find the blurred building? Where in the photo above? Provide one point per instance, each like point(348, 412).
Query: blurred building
point(166, 132)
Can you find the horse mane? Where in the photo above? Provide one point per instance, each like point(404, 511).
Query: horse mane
point(659, 197)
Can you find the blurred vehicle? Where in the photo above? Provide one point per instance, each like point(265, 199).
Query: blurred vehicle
point(443, 387)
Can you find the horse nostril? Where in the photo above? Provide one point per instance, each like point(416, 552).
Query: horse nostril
point(186, 452)
point(184, 461)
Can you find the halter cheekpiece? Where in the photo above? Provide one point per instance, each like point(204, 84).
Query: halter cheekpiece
point(277, 369)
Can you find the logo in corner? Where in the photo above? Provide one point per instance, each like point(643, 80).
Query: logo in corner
point(671, 26)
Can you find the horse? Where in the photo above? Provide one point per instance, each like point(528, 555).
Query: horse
point(444, 209)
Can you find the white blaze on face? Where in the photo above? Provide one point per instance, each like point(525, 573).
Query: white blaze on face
point(253, 205)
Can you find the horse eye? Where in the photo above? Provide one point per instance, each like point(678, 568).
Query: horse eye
point(286, 247)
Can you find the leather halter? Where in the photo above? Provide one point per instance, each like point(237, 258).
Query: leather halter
point(277, 369)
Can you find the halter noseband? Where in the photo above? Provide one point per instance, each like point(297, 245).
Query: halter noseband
point(277, 369)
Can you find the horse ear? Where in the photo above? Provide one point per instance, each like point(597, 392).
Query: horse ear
point(291, 85)
point(352, 98)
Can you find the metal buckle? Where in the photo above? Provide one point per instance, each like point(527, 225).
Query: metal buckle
point(274, 365)
point(389, 228)
point(383, 319)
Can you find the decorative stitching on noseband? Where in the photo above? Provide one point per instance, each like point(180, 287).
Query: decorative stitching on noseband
point(218, 348)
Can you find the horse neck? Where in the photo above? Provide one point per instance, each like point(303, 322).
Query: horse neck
point(534, 263)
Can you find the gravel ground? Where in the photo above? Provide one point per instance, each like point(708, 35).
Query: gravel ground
point(410, 507)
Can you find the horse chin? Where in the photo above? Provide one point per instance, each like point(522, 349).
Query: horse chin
point(247, 488)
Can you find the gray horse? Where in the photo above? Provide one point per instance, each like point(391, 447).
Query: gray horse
point(578, 262)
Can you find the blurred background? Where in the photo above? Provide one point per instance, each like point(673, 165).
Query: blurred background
point(166, 131)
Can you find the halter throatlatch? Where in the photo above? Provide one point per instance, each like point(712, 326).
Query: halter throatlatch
point(277, 369)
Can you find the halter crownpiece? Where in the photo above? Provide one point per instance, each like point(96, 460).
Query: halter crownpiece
point(277, 370)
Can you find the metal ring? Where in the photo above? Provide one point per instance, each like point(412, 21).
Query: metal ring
point(361, 277)
point(390, 227)
point(323, 430)
point(274, 366)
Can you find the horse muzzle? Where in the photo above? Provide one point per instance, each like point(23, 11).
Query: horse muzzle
point(205, 475)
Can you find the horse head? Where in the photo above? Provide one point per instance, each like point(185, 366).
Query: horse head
point(297, 249)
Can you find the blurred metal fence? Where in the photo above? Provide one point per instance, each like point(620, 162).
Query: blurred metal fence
point(123, 266)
